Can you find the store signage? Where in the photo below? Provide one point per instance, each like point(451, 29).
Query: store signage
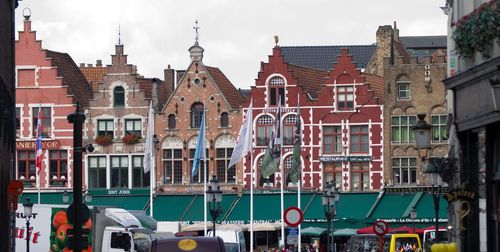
point(275, 109)
point(31, 145)
point(426, 189)
point(460, 194)
point(345, 158)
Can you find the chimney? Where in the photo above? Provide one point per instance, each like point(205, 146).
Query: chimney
point(98, 63)
point(169, 75)
point(180, 74)
point(154, 93)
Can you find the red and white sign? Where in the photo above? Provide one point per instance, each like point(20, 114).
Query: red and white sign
point(380, 228)
point(293, 216)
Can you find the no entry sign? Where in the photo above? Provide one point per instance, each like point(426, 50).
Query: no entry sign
point(293, 216)
point(380, 228)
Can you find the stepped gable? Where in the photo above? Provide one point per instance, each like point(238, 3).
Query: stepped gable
point(377, 85)
point(232, 95)
point(311, 80)
point(324, 57)
point(78, 85)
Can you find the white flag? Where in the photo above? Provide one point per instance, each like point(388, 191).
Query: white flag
point(244, 142)
point(149, 148)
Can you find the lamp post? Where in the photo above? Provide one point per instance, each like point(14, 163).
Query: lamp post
point(329, 198)
point(28, 212)
point(413, 216)
point(423, 141)
point(214, 198)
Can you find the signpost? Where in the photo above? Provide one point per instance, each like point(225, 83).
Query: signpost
point(380, 228)
point(293, 216)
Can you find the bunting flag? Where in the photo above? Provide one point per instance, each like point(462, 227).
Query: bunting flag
point(244, 142)
point(272, 156)
point(200, 147)
point(149, 148)
point(39, 137)
point(297, 142)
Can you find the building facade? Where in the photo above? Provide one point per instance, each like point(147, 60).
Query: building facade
point(340, 114)
point(200, 89)
point(474, 85)
point(52, 83)
point(116, 124)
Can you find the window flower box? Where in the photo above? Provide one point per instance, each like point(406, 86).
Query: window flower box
point(477, 31)
point(131, 139)
point(103, 140)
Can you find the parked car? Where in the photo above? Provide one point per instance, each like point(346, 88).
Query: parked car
point(391, 243)
point(234, 240)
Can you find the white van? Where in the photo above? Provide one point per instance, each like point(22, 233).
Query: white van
point(430, 237)
point(234, 240)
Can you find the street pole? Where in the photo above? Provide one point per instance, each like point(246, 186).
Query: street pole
point(329, 221)
point(436, 197)
point(77, 120)
point(27, 234)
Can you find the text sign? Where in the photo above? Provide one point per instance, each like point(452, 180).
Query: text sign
point(345, 158)
point(31, 145)
point(380, 228)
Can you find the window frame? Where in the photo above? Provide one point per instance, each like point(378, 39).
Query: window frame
point(288, 132)
point(264, 125)
point(171, 122)
point(135, 122)
point(98, 170)
point(362, 147)
point(276, 89)
point(410, 169)
point(362, 171)
point(59, 160)
point(403, 130)
point(118, 96)
point(144, 178)
point(29, 161)
point(198, 178)
point(406, 91)
point(441, 126)
point(336, 137)
point(345, 97)
point(224, 120)
point(106, 132)
point(334, 174)
point(197, 110)
point(121, 168)
point(174, 163)
point(46, 119)
point(224, 174)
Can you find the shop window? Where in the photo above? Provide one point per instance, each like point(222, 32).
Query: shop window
point(119, 172)
point(360, 176)
point(46, 121)
point(97, 172)
point(26, 165)
point(58, 162)
point(139, 178)
point(172, 163)
point(119, 97)
point(225, 174)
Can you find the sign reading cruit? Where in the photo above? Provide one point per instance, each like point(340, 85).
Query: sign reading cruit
point(31, 145)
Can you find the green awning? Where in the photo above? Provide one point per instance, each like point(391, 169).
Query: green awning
point(195, 211)
point(128, 202)
point(52, 198)
point(172, 207)
point(392, 206)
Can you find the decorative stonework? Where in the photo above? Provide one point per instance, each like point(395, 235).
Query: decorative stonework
point(118, 148)
point(172, 143)
point(225, 141)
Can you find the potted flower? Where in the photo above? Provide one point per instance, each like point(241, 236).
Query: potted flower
point(131, 139)
point(103, 140)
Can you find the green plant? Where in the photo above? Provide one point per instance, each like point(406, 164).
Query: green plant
point(103, 140)
point(131, 139)
point(475, 32)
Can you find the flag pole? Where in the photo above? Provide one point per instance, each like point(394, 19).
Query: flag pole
point(251, 177)
point(283, 181)
point(299, 182)
point(152, 173)
point(39, 156)
point(204, 171)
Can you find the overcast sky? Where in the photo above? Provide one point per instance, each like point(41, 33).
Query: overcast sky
point(236, 35)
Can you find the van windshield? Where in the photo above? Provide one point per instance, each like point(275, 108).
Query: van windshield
point(406, 244)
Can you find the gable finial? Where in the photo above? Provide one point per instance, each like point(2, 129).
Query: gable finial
point(119, 35)
point(276, 39)
point(196, 27)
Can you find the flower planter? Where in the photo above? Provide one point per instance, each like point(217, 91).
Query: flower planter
point(131, 139)
point(103, 140)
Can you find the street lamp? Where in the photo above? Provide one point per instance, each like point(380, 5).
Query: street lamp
point(413, 216)
point(329, 198)
point(214, 198)
point(28, 212)
point(87, 197)
point(434, 165)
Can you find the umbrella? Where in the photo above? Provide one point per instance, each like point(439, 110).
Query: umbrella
point(312, 231)
point(365, 230)
point(344, 232)
point(266, 226)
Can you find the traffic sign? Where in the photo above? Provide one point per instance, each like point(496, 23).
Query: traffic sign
point(293, 216)
point(380, 227)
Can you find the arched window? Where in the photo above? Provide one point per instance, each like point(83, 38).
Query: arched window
point(289, 129)
point(224, 120)
point(264, 130)
point(276, 90)
point(171, 121)
point(119, 97)
point(196, 113)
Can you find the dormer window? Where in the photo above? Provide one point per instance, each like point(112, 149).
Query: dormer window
point(119, 97)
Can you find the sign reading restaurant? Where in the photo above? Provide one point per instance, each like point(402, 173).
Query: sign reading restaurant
point(31, 145)
point(345, 158)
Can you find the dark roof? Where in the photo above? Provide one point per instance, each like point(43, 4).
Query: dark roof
point(72, 77)
point(416, 42)
point(323, 57)
point(232, 95)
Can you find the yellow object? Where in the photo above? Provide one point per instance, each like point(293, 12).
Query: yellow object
point(405, 242)
point(187, 244)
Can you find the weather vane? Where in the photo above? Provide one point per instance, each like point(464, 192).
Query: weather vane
point(196, 30)
point(119, 35)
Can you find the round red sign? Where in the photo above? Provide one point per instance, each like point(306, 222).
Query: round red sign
point(293, 216)
point(380, 228)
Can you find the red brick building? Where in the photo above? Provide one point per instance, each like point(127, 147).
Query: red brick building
point(199, 88)
point(51, 81)
point(341, 117)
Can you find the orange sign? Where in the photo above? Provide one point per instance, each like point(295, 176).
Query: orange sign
point(31, 145)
